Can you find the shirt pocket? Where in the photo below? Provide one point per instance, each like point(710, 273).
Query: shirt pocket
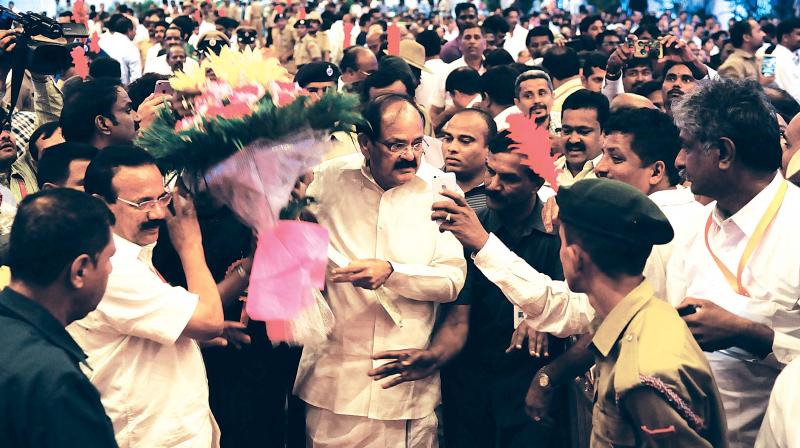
point(610, 429)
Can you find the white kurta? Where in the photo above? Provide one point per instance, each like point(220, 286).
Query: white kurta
point(366, 222)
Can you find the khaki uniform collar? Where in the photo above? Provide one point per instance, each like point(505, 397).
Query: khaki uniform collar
point(609, 329)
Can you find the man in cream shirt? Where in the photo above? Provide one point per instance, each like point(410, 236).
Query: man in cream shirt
point(377, 208)
point(141, 338)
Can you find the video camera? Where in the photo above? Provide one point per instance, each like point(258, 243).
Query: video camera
point(44, 57)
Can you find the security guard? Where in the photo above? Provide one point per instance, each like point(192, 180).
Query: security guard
point(314, 24)
point(211, 42)
point(318, 77)
point(226, 25)
point(246, 36)
point(654, 385)
point(283, 40)
point(306, 49)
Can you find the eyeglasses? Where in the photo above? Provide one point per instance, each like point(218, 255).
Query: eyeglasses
point(398, 147)
point(150, 205)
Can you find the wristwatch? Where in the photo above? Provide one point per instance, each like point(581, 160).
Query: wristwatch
point(543, 380)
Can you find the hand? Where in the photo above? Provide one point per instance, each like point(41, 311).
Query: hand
point(713, 327)
point(184, 230)
point(537, 401)
point(8, 40)
point(550, 215)
point(245, 263)
point(765, 80)
point(537, 342)
point(620, 56)
point(367, 274)
point(149, 109)
point(676, 50)
point(234, 333)
point(409, 365)
point(463, 222)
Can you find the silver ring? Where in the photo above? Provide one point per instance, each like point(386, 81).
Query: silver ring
point(447, 218)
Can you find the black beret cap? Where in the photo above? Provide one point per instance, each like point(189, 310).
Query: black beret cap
point(613, 209)
point(300, 22)
point(246, 35)
point(226, 22)
point(318, 71)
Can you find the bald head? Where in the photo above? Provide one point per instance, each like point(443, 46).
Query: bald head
point(630, 101)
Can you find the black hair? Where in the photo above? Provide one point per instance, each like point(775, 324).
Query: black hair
point(601, 37)
point(646, 88)
point(491, 126)
point(594, 59)
point(105, 165)
point(613, 257)
point(385, 77)
point(498, 84)
point(186, 26)
point(587, 22)
point(497, 58)
point(668, 66)
point(461, 7)
point(51, 229)
point(654, 137)
point(638, 62)
point(143, 87)
point(464, 79)
point(431, 42)
point(787, 26)
point(652, 30)
point(738, 31)
point(44, 131)
point(105, 67)
point(586, 99)
point(121, 25)
point(784, 104)
point(65, 14)
point(373, 113)
point(538, 31)
point(561, 62)
point(54, 165)
point(502, 143)
point(87, 101)
point(494, 25)
point(509, 10)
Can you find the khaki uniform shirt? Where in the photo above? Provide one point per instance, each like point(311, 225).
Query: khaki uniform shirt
point(324, 45)
point(654, 385)
point(306, 50)
point(740, 65)
point(283, 43)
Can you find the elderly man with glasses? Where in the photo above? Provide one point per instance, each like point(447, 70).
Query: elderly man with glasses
point(392, 268)
point(142, 338)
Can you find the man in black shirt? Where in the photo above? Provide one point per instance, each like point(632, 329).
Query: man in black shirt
point(483, 383)
point(59, 257)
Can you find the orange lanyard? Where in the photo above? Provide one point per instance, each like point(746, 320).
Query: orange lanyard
point(755, 240)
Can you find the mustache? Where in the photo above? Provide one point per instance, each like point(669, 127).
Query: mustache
point(575, 147)
point(403, 164)
point(152, 224)
point(675, 90)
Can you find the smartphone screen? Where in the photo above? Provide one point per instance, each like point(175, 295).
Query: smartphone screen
point(768, 65)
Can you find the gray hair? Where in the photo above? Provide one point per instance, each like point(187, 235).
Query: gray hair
point(532, 74)
point(737, 110)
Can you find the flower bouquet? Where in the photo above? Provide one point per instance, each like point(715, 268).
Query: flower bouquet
point(244, 131)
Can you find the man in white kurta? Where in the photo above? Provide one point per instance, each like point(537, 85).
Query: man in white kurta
point(377, 209)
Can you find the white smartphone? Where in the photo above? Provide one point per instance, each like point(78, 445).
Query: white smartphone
point(441, 182)
point(768, 65)
point(163, 87)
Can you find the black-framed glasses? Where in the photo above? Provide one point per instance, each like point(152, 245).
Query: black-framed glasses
point(398, 147)
point(149, 205)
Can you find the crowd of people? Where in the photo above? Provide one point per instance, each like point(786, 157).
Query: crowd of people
point(551, 229)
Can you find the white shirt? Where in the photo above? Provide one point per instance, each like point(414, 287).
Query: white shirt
point(161, 67)
point(439, 99)
point(515, 41)
point(779, 428)
point(787, 70)
point(550, 305)
point(500, 119)
point(151, 55)
point(152, 381)
point(119, 47)
point(772, 277)
point(430, 83)
point(364, 221)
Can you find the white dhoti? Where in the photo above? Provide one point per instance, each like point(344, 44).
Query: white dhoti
point(324, 429)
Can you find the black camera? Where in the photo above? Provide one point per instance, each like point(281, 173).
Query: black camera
point(41, 56)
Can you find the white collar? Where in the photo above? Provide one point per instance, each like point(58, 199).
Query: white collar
point(748, 217)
